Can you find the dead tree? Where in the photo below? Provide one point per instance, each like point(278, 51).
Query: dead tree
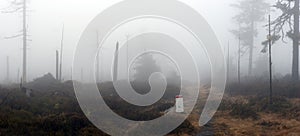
point(116, 62)
point(18, 76)
point(239, 60)
point(61, 53)
point(7, 69)
point(21, 6)
point(97, 59)
point(228, 61)
point(57, 65)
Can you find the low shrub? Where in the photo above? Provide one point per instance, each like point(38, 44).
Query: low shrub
point(243, 111)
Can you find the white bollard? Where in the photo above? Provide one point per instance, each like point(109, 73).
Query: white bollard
point(179, 104)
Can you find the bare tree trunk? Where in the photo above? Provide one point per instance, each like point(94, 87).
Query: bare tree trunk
point(61, 53)
point(97, 68)
point(24, 77)
point(251, 50)
point(97, 60)
point(228, 61)
point(116, 59)
point(57, 65)
point(295, 67)
point(239, 60)
point(270, 63)
point(18, 76)
point(7, 67)
point(81, 75)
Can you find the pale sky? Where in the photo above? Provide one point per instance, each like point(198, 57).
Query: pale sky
point(46, 18)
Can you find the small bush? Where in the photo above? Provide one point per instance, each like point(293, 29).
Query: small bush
point(243, 111)
point(279, 104)
point(268, 123)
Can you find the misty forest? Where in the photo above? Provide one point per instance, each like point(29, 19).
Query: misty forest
point(259, 38)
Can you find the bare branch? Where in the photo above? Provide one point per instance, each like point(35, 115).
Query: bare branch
point(13, 11)
point(285, 19)
point(15, 36)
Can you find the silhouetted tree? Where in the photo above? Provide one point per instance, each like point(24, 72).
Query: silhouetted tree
point(173, 79)
point(287, 25)
point(15, 7)
point(144, 67)
point(251, 13)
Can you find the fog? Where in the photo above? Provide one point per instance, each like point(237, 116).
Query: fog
point(47, 17)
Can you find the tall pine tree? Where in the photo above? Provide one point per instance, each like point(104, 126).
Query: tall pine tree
point(287, 25)
point(250, 13)
point(144, 67)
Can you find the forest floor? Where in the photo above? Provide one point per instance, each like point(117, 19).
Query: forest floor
point(267, 123)
point(257, 122)
point(52, 109)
